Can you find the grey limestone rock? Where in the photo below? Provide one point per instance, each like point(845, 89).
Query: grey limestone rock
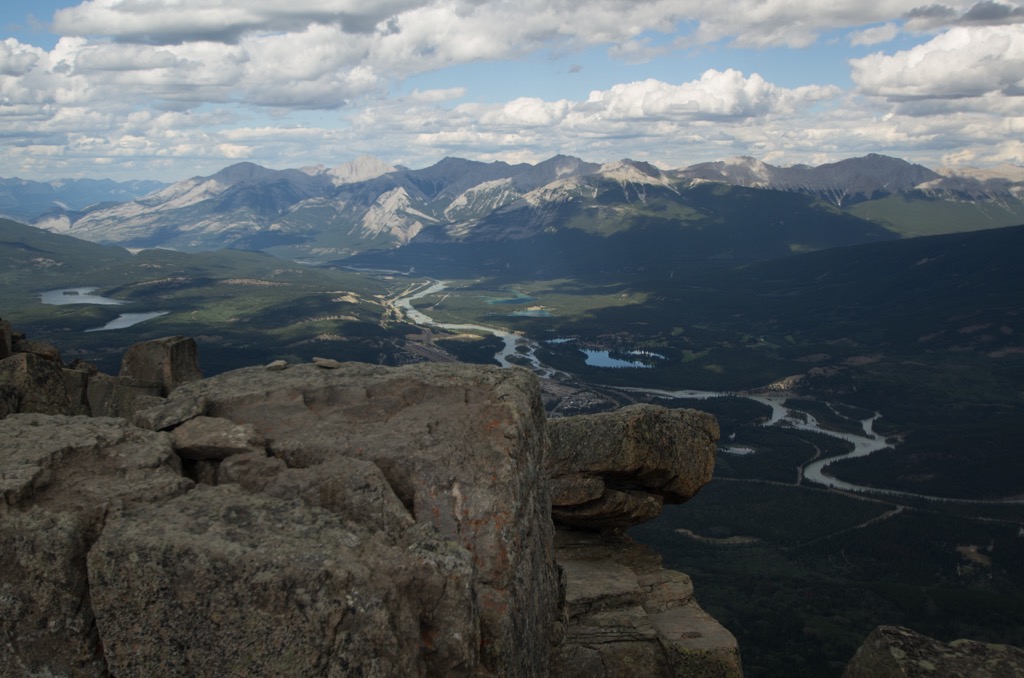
point(98, 391)
point(357, 520)
point(77, 383)
point(625, 615)
point(347, 486)
point(30, 383)
point(226, 582)
point(212, 438)
point(162, 417)
point(897, 652)
point(462, 448)
point(61, 478)
point(168, 362)
point(129, 395)
point(41, 349)
point(615, 469)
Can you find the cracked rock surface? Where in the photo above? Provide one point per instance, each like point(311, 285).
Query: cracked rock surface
point(460, 448)
point(62, 479)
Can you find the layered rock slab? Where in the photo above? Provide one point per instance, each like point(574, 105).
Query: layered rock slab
point(626, 615)
point(462, 448)
point(612, 470)
point(61, 478)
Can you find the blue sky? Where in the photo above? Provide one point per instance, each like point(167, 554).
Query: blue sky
point(169, 89)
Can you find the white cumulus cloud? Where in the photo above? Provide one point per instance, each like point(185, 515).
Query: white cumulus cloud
point(962, 62)
point(725, 94)
point(178, 85)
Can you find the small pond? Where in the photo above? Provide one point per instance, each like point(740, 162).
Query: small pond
point(604, 359)
point(77, 295)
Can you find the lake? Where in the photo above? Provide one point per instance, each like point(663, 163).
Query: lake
point(127, 320)
point(84, 295)
point(604, 359)
point(77, 295)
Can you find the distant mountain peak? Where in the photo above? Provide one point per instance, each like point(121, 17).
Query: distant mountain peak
point(363, 168)
point(840, 183)
point(633, 171)
point(242, 171)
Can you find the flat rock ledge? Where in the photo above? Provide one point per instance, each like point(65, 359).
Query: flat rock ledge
point(358, 520)
point(624, 615)
point(612, 470)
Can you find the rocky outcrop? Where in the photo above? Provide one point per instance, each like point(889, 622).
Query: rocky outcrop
point(34, 379)
point(897, 652)
point(461, 448)
point(62, 479)
point(30, 383)
point(168, 362)
point(227, 582)
point(623, 613)
point(626, 615)
point(616, 469)
point(354, 520)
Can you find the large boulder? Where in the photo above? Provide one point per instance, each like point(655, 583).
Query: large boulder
point(227, 582)
point(461, 447)
point(214, 439)
point(615, 469)
point(897, 652)
point(39, 348)
point(167, 362)
point(61, 479)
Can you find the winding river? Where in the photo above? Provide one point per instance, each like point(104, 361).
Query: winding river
point(863, 444)
point(511, 342)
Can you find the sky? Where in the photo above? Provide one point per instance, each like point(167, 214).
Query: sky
point(171, 89)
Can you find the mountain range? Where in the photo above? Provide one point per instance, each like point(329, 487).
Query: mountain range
point(325, 214)
point(26, 200)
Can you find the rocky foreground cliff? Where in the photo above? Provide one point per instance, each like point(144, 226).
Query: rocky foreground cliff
point(343, 519)
point(336, 519)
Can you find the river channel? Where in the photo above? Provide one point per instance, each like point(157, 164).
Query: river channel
point(863, 444)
